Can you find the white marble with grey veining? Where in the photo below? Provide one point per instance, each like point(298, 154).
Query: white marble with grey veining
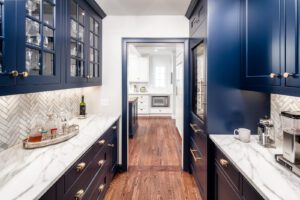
point(28, 174)
point(258, 166)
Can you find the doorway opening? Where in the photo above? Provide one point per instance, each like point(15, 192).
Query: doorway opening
point(154, 97)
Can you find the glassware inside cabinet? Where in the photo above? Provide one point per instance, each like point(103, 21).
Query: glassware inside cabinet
point(33, 8)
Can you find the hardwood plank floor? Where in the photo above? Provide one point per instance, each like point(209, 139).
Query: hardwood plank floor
point(154, 166)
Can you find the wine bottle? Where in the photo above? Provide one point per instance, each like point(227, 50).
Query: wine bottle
point(82, 106)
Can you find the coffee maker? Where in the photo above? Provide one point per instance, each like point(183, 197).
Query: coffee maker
point(290, 122)
point(266, 133)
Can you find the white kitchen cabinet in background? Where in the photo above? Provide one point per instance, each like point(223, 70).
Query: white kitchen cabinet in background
point(138, 69)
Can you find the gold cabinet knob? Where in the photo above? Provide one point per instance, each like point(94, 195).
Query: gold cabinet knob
point(24, 74)
point(287, 75)
point(14, 73)
point(101, 142)
point(223, 162)
point(274, 75)
point(101, 187)
point(114, 127)
point(101, 163)
point(80, 167)
point(79, 194)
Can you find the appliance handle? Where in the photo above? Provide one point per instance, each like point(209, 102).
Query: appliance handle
point(195, 157)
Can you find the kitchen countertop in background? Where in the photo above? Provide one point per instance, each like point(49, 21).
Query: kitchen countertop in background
point(28, 174)
point(258, 166)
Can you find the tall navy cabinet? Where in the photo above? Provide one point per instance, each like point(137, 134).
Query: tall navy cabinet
point(215, 31)
point(49, 45)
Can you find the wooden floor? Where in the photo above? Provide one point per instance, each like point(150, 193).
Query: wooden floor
point(154, 166)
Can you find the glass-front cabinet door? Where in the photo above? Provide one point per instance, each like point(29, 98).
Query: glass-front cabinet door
point(94, 68)
point(84, 43)
point(199, 82)
point(38, 42)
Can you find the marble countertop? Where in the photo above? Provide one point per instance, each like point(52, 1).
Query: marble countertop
point(28, 174)
point(258, 166)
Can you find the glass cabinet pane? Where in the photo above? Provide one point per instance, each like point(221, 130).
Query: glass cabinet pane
point(33, 8)
point(73, 48)
point(91, 55)
point(81, 15)
point(81, 33)
point(73, 67)
point(96, 27)
point(73, 29)
point(73, 10)
point(48, 38)
point(91, 70)
point(48, 12)
point(199, 81)
point(91, 39)
point(48, 64)
point(80, 50)
point(33, 61)
point(33, 32)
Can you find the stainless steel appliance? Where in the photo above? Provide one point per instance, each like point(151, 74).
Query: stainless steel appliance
point(160, 101)
point(290, 122)
point(266, 132)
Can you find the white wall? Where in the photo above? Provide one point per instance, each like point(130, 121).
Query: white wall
point(114, 29)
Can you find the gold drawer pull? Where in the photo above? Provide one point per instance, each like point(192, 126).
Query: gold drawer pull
point(80, 167)
point(101, 187)
point(195, 157)
point(223, 162)
point(101, 142)
point(79, 194)
point(195, 128)
point(101, 163)
point(111, 145)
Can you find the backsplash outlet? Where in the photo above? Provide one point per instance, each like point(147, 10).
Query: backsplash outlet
point(282, 103)
point(18, 111)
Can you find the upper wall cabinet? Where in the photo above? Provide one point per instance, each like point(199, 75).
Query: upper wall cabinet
point(49, 44)
point(270, 46)
point(84, 43)
point(261, 41)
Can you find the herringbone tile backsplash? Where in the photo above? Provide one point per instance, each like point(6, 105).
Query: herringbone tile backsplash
point(282, 103)
point(17, 112)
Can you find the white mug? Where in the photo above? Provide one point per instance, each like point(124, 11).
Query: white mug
point(242, 134)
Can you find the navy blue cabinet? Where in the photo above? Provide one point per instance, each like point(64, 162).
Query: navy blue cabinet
point(261, 42)
point(270, 46)
point(49, 44)
point(84, 43)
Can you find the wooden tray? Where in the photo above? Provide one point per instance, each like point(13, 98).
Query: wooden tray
point(58, 139)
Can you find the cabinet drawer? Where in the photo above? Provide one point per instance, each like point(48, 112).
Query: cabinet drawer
point(200, 139)
point(99, 186)
point(98, 165)
point(143, 105)
point(198, 167)
point(231, 172)
point(80, 168)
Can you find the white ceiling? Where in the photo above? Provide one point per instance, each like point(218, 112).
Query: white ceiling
point(155, 48)
point(144, 7)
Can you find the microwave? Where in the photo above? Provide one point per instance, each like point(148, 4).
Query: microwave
point(160, 101)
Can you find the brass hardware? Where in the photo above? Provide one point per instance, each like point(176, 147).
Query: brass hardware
point(274, 75)
point(224, 162)
point(88, 76)
point(101, 187)
point(101, 142)
point(195, 157)
point(80, 167)
point(287, 75)
point(79, 194)
point(24, 74)
point(101, 163)
point(114, 127)
point(14, 73)
point(195, 128)
point(111, 145)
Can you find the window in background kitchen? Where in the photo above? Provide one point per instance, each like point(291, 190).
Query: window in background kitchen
point(160, 76)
